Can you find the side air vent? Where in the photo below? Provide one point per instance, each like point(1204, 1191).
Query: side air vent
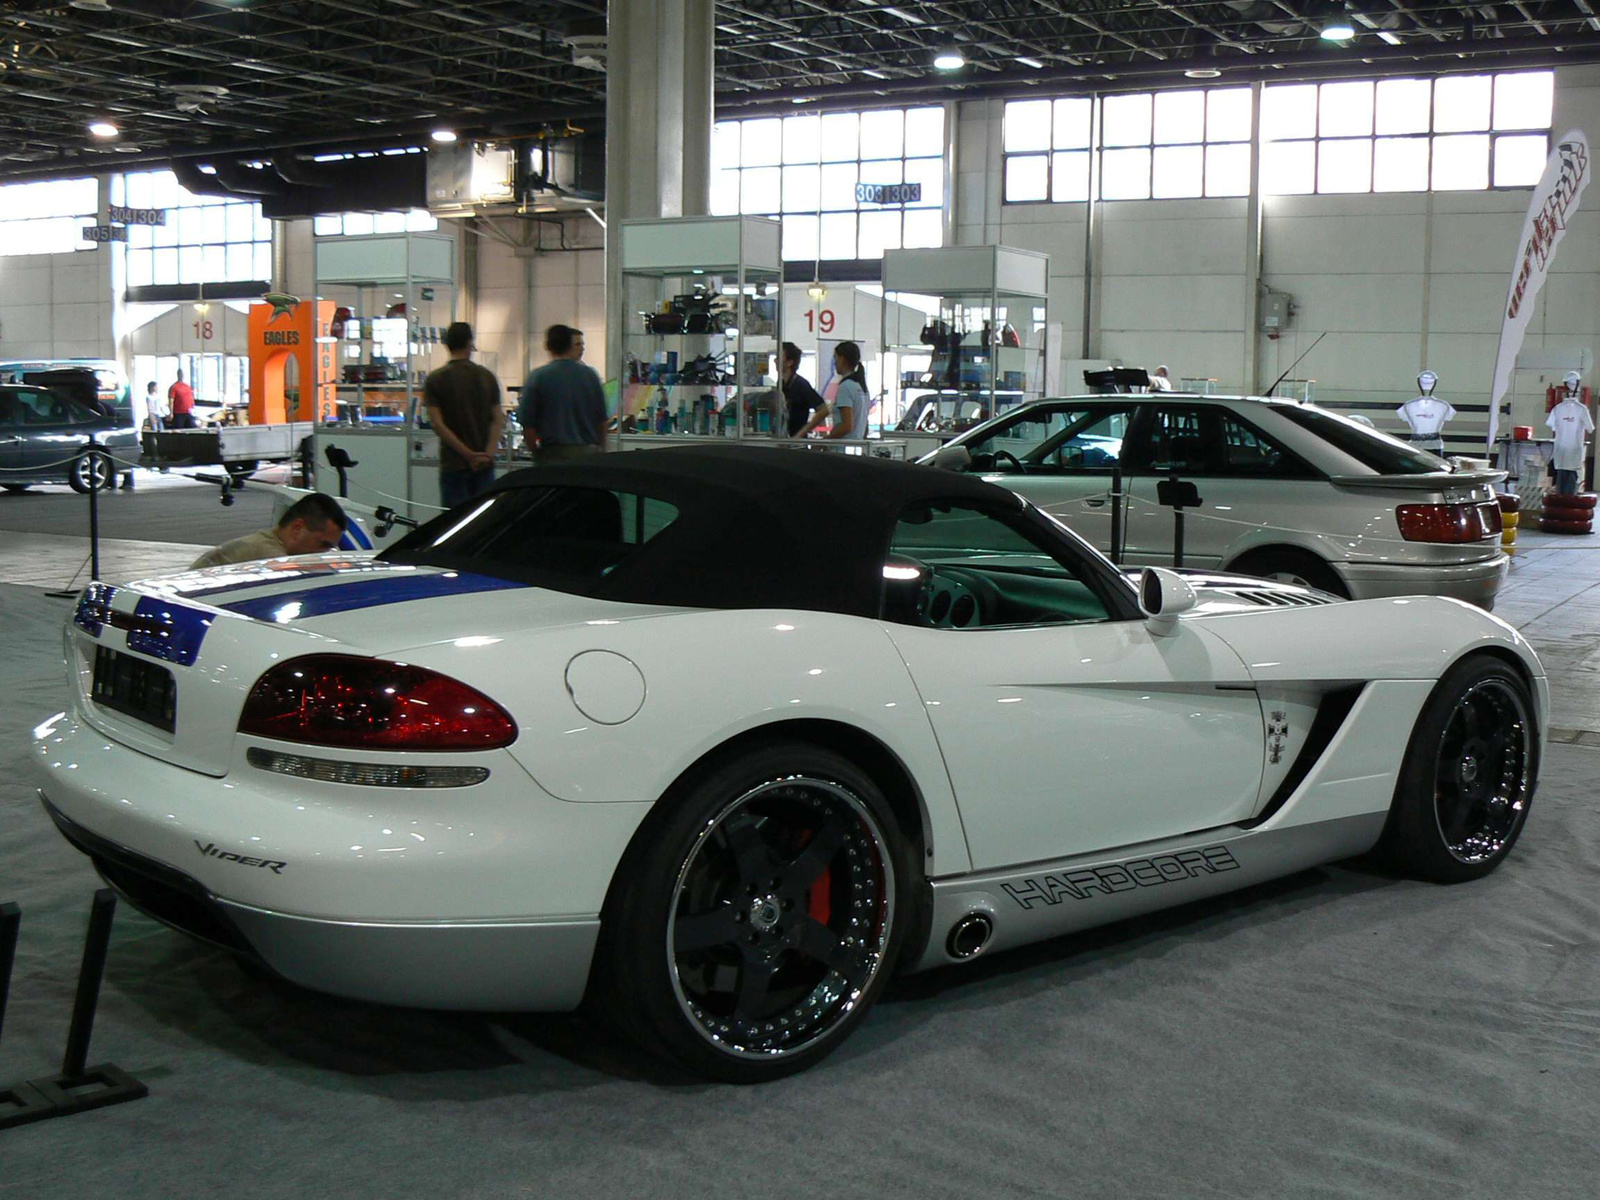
point(1280, 599)
point(1330, 718)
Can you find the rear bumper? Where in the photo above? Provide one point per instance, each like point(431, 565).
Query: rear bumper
point(1476, 582)
point(538, 966)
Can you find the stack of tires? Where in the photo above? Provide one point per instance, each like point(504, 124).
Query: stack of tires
point(1567, 514)
point(1510, 518)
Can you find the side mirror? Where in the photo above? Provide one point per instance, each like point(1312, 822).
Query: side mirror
point(1164, 596)
point(952, 458)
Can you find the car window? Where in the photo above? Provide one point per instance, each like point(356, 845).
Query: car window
point(1176, 441)
point(1249, 453)
point(1380, 452)
point(577, 533)
point(1056, 441)
point(957, 566)
point(8, 409)
point(46, 408)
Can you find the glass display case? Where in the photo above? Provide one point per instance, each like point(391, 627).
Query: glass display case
point(982, 346)
point(394, 296)
point(700, 307)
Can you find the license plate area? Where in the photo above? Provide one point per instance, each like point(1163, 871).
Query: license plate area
point(142, 690)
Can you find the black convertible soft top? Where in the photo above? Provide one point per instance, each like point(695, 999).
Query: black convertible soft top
point(757, 527)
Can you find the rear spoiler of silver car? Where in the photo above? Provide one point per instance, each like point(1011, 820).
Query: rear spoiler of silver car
point(1432, 481)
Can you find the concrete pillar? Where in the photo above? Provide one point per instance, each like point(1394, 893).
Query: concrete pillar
point(660, 57)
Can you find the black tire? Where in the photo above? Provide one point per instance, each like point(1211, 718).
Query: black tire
point(91, 469)
point(766, 863)
point(1293, 566)
point(1469, 775)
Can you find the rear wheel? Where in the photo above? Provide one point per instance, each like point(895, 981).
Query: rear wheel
point(1468, 777)
point(756, 917)
point(92, 469)
point(1298, 567)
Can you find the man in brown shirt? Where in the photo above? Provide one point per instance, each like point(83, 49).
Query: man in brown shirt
point(463, 403)
point(312, 525)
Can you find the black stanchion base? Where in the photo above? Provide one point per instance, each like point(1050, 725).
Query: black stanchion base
point(63, 1095)
point(21, 1104)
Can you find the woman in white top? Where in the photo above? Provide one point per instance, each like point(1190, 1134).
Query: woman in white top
point(848, 406)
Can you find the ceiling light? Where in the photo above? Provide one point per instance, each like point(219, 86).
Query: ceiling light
point(1031, 62)
point(103, 129)
point(1202, 73)
point(950, 59)
point(443, 136)
point(818, 291)
point(92, 5)
point(1336, 26)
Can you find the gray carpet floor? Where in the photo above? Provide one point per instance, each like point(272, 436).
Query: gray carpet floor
point(1337, 1034)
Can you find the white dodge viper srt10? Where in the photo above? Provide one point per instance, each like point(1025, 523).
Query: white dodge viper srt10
point(720, 739)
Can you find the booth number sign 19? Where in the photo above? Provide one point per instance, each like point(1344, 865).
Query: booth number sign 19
point(888, 193)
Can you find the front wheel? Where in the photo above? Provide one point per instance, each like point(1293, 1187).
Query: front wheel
point(756, 917)
point(93, 469)
point(1468, 777)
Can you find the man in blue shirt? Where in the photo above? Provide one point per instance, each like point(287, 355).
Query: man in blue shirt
point(563, 410)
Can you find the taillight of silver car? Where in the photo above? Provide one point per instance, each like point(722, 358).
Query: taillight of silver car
point(370, 704)
point(1449, 523)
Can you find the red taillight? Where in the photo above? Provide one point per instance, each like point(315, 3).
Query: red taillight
point(1453, 523)
point(366, 703)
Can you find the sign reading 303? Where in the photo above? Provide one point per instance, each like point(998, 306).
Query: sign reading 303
point(888, 193)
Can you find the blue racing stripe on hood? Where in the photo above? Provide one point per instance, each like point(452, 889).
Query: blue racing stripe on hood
point(364, 593)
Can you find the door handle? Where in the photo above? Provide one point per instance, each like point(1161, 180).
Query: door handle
point(1096, 503)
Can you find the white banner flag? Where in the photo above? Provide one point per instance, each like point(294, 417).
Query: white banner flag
point(1554, 202)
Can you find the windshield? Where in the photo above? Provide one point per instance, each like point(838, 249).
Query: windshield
point(1383, 454)
point(1071, 438)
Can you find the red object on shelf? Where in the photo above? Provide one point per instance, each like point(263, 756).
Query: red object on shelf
point(1521, 433)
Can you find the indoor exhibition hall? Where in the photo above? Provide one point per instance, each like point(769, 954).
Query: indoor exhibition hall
point(776, 598)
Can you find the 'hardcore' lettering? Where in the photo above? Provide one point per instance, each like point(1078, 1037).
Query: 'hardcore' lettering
point(1122, 877)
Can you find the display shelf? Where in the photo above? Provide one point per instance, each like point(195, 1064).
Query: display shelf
point(719, 280)
point(984, 339)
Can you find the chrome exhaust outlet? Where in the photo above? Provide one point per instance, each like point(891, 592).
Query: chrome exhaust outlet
point(969, 936)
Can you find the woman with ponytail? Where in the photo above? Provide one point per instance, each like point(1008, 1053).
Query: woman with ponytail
point(849, 405)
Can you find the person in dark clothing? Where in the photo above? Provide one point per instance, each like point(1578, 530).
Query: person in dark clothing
point(463, 403)
point(563, 409)
point(798, 393)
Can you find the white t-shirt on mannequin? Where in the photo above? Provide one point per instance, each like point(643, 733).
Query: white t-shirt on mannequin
point(1426, 416)
point(1569, 421)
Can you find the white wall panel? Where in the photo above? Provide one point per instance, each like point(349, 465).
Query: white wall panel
point(1354, 303)
point(1197, 303)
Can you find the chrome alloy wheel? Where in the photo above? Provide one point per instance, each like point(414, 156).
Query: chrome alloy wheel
point(92, 470)
point(1483, 770)
point(782, 915)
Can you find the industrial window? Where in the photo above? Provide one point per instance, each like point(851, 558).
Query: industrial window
point(47, 217)
point(1162, 145)
point(207, 239)
point(1449, 134)
point(804, 170)
point(354, 224)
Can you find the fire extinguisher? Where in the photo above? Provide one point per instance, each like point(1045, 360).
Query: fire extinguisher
point(1556, 393)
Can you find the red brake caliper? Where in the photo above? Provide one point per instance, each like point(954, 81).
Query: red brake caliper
point(819, 898)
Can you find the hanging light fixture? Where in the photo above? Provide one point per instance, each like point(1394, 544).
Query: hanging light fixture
point(950, 59)
point(817, 290)
point(1336, 25)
